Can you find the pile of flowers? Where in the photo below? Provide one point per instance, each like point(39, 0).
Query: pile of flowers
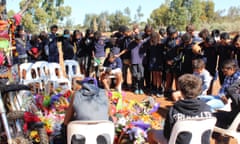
point(51, 111)
point(133, 119)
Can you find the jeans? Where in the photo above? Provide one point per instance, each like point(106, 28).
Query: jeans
point(214, 102)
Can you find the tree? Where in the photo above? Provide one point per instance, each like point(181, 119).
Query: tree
point(139, 14)
point(127, 11)
point(117, 19)
point(158, 16)
point(233, 13)
point(11, 13)
point(44, 12)
point(94, 24)
point(103, 22)
point(208, 13)
point(178, 13)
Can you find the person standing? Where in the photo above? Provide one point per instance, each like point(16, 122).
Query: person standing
point(67, 46)
point(124, 53)
point(85, 51)
point(137, 54)
point(53, 49)
point(156, 63)
point(22, 46)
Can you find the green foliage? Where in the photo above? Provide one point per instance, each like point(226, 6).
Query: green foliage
point(27, 21)
point(40, 14)
point(208, 13)
point(139, 14)
point(182, 12)
point(43, 13)
point(11, 13)
point(159, 16)
point(117, 19)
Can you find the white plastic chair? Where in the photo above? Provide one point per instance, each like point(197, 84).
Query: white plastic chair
point(90, 130)
point(42, 72)
point(231, 130)
point(56, 76)
point(72, 69)
point(27, 68)
point(28, 78)
point(194, 126)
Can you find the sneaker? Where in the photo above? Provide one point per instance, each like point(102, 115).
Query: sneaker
point(159, 93)
point(136, 92)
point(141, 92)
point(103, 139)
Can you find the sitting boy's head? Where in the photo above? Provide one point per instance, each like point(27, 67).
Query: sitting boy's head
point(111, 57)
point(198, 65)
point(189, 85)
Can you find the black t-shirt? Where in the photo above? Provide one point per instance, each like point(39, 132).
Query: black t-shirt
point(67, 49)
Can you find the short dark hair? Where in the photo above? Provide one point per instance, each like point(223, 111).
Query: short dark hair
point(210, 40)
point(186, 38)
point(19, 28)
point(230, 63)
point(204, 33)
point(236, 38)
point(224, 36)
point(198, 64)
point(215, 33)
point(171, 30)
point(53, 26)
point(189, 85)
point(190, 28)
point(162, 31)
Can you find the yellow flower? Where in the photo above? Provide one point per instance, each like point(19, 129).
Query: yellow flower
point(33, 134)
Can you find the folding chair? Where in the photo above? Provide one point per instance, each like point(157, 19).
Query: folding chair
point(232, 130)
point(90, 130)
point(194, 126)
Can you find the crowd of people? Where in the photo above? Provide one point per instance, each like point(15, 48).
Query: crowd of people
point(155, 58)
point(158, 62)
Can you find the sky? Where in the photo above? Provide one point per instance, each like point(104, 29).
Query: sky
point(82, 7)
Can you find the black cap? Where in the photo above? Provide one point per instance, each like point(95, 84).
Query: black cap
point(87, 80)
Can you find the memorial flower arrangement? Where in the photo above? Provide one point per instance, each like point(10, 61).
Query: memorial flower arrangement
point(133, 119)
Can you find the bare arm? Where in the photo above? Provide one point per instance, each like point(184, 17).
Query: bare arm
point(69, 112)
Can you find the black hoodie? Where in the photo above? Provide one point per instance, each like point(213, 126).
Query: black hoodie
point(186, 109)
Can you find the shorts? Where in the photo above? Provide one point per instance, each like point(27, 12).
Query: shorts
point(115, 71)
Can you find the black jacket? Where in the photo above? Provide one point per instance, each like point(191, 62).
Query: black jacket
point(186, 109)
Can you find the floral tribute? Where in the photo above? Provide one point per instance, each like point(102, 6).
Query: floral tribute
point(51, 111)
point(133, 119)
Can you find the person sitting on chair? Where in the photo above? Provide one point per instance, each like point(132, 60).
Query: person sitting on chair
point(112, 66)
point(200, 71)
point(226, 118)
point(189, 107)
point(88, 103)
